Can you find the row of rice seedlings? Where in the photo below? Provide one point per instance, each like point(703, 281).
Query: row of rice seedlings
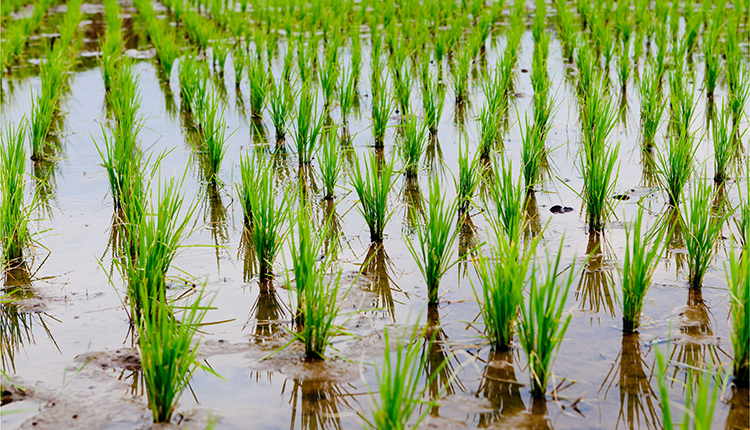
point(460, 74)
point(239, 59)
point(280, 102)
point(316, 288)
point(331, 162)
point(15, 214)
point(701, 230)
point(329, 74)
point(598, 157)
point(652, 106)
point(542, 324)
point(111, 45)
point(643, 250)
point(16, 33)
point(309, 124)
point(711, 55)
point(372, 181)
point(162, 35)
point(739, 93)
point(623, 62)
point(681, 100)
point(199, 29)
point(412, 145)
point(676, 166)
point(435, 240)
point(533, 154)
point(264, 213)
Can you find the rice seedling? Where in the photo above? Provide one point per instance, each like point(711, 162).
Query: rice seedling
point(317, 291)
point(542, 326)
point(111, 45)
point(347, 93)
point(165, 42)
point(239, 61)
point(701, 230)
point(168, 349)
point(213, 145)
point(219, 51)
point(503, 275)
point(460, 75)
point(598, 158)
point(43, 109)
point(533, 153)
point(412, 145)
point(508, 195)
point(681, 101)
point(193, 82)
point(435, 240)
point(372, 182)
point(264, 212)
point(652, 105)
point(402, 83)
point(14, 214)
point(309, 126)
point(399, 392)
point(623, 71)
point(723, 142)
point(676, 166)
point(328, 77)
point(280, 105)
point(489, 131)
point(382, 106)
point(740, 93)
point(738, 277)
point(256, 74)
point(468, 177)
point(331, 162)
point(433, 98)
point(643, 250)
point(711, 59)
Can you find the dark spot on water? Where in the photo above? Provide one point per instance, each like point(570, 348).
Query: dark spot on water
point(524, 70)
point(557, 209)
point(75, 416)
point(621, 197)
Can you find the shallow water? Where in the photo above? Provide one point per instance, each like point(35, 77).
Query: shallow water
point(69, 342)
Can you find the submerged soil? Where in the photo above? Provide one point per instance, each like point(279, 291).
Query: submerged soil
point(68, 348)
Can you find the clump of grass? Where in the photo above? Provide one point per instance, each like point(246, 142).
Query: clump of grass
point(598, 158)
point(43, 109)
point(280, 104)
point(489, 131)
point(382, 106)
point(331, 162)
point(213, 146)
point(193, 82)
point(412, 145)
point(256, 74)
point(460, 74)
point(111, 44)
point(309, 126)
point(14, 214)
point(676, 166)
point(508, 196)
point(433, 101)
point(681, 100)
point(329, 74)
point(701, 229)
point(542, 325)
point(468, 177)
point(347, 93)
point(740, 91)
point(711, 61)
point(402, 83)
point(435, 240)
point(239, 61)
point(652, 105)
point(623, 62)
point(503, 275)
point(264, 213)
point(399, 392)
point(723, 141)
point(165, 42)
point(372, 183)
point(317, 290)
point(738, 276)
point(642, 254)
point(533, 154)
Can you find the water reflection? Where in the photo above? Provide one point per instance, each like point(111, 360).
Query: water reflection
point(632, 377)
point(215, 219)
point(501, 388)
point(676, 245)
point(268, 312)
point(533, 225)
point(467, 243)
point(414, 214)
point(376, 269)
point(433, 157)
point(316, 403)
point(595, 291)
point(439, 362)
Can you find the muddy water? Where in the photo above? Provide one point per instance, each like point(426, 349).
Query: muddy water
point(68, 342)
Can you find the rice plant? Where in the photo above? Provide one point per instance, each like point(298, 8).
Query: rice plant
point(264, 212)
point(256, 74)
point(331, 162)
point(533, 153)
point(460, 75)
point(239, 61)
point(723, 133)
point(280, 105)
point(435, 240)
point(489, 131)
point(738, 277)
point(433, 100)
point(43, 109)
point(740, 92)
point(347, 94)
point(642, 254)
point(412, 145)
point(598, 157)
point(503, 274)
point(711, 59)
point(508, 196)
point(623, 71)
point(676, 166)
point(681, 101)
point(213, 127)
point(329, 75)
point(542, 324)
point(399, 394)
point(14, 214)
point(468, 177)
point(372, 181)
point(165, 42)
point(701, 229)
point(402, 83)
point(652, 105)
point(168, 350)
point(111, 44)
point(382, 106)
point(309, 126)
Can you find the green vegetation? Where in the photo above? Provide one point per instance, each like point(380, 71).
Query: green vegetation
point(372, 183)
point(701, 229)
point(309, 126)
point(676, 166)
point(738, 276)
point(412, 145)
point(15, 214)
point(331, 162)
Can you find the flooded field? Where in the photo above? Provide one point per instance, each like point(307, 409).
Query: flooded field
point(69, 341)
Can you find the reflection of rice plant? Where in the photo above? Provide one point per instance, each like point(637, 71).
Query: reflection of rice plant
point(264, 213)
point(676, 166)
point(642, 254)
point(412, 145)
point(372, 185)
point(435, 240)
point(542, 326)
point(701, 229)
point(738, 276)
point(14, 215)
point(399, 393)
point(502, 275)
point(331, 162)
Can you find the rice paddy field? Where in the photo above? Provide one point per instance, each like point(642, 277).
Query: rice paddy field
point(375, 214)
